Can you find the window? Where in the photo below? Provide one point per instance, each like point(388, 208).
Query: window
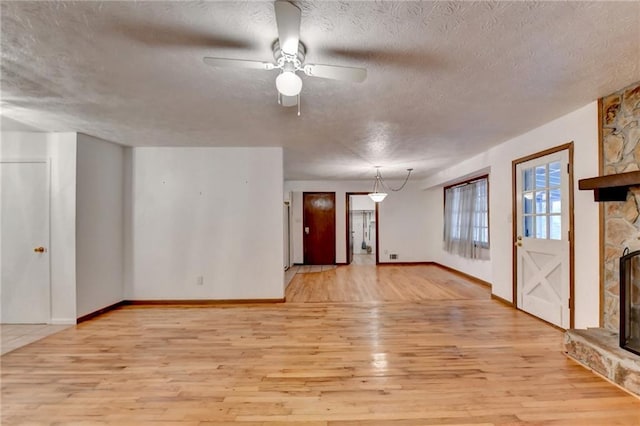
point(466, 218)
point(542, 202)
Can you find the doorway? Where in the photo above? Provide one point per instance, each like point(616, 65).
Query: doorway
point(319, 228)
point(543, 230)
point(24, 211)
point(362, 229)
point(286, 218)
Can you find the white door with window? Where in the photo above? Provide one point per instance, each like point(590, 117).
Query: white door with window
point(542, 237)
point(24, 240)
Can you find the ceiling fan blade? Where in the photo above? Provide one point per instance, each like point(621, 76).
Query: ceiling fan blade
point(163, 35)
point(288, 20)
point(238, 63)
point(288, 101)
point(395, 57)
point(356, 75)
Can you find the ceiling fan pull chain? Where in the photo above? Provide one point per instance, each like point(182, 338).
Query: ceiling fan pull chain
point(298, 104)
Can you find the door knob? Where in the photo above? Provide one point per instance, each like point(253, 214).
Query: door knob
point(39, 249)
point(519, 243)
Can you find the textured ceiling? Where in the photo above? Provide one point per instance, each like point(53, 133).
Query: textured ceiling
point(446, 80)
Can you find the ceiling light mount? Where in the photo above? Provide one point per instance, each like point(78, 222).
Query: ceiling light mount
point(378, 194)
point(282, 59)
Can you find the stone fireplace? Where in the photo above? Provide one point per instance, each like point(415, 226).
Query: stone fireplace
point(618, 190)
point(620, 116)
point(630, 302)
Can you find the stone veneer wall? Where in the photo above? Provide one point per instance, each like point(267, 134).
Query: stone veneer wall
point(620, 117)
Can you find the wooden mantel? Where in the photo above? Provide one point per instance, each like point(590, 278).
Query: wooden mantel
point(611, 187)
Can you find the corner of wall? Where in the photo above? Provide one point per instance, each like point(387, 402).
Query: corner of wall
point(128, 213)
point(99, 218)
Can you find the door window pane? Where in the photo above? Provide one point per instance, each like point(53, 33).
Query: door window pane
point(555, 201)
point(527, 203)
point(554, 174)
point(527, 177)
point(528, 226)
point(555, 229)
point(541, 176)
point(541, 202)
point(541, 226)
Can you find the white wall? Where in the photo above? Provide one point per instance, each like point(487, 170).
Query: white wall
point(581, 127)
point(209, 212)
point(402, 228)
point(60, 150)
point(99, 224)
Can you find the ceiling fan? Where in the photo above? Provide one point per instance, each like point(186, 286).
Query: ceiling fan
point(289, 55)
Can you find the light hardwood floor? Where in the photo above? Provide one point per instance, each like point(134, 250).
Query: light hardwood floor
point(459, 358)
point(387, 283)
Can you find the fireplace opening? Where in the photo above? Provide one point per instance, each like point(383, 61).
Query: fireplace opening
point(630, 301)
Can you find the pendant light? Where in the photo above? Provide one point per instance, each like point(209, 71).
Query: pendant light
point(378, 194)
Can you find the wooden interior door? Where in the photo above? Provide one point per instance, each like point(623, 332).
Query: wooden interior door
point(542, 237)
point(319, 228)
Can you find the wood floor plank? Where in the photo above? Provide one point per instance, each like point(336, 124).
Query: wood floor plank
point(458, 358)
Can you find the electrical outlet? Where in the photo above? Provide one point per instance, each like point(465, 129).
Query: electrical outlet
point(200, 280)
point(393, 256)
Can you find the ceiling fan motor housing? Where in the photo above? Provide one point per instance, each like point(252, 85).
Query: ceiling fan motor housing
point(289, 62)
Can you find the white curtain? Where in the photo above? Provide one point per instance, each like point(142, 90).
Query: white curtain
point(465, 222)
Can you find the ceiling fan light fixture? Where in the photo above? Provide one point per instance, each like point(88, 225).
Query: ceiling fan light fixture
point(288, 83)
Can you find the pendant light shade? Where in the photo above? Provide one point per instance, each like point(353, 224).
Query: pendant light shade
point(377, 196)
